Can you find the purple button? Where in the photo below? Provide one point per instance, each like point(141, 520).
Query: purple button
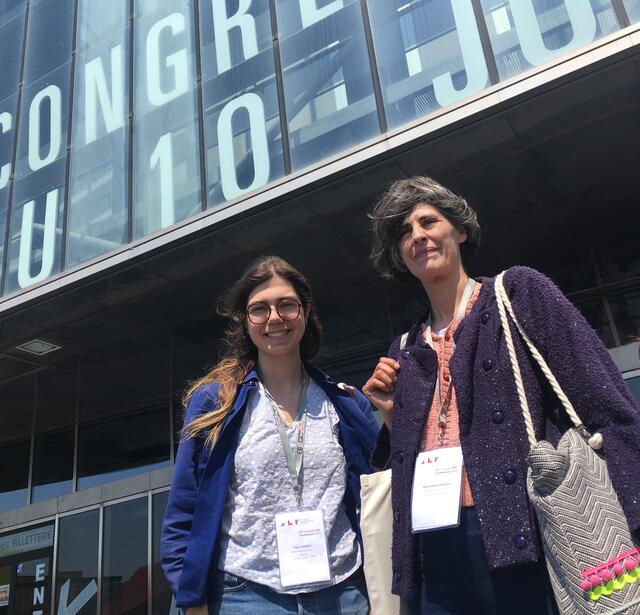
point(487, 364)
point(406, 354)
point(497, 417)
point(510, 477)
point(520, 541)
point(484, 318)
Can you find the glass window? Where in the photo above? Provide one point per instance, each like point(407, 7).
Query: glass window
point(56, 400)
point(77, 572)
point(49, 38)
point(5, 589)
point(38, 197)
point(633, 9)
point(11, 31)
point(429, 55)
point(52, 465)
point(166, 145)
point(634, 387)
point(14, 461)
point(33, 587)
point(98, 196)
point(124, 572)
point(594, 312)
point(8, 108)
point(529, 33)
point(163, 601)
point(626, 314)
point(36, 226)
point(123, 447)
point(328, 87)
point(241, 118)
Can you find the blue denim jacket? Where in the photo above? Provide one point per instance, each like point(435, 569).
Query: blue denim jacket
point(190, 532)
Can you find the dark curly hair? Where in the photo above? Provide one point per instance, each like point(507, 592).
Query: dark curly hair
point(399, 199)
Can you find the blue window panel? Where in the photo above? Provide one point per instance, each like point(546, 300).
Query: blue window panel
point(166, 146)
point(429, 55)
point(243, 140)
point(328, 87)
point(529, 33)
point(98, 189)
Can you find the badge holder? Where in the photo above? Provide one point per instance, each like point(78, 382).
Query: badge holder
point(436, 493)
point(303, 550)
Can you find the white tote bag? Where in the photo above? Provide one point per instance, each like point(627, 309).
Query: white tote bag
point(376, 523)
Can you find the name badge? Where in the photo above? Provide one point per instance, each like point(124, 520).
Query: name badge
point(302, 548)
point(437, 489)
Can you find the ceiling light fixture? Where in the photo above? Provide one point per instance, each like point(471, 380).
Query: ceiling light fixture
point(38, 347)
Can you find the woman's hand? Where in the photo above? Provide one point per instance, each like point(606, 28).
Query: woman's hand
point(380, 388)
point(197, 610)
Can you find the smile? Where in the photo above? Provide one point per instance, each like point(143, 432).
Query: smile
point(424, 252)
point(278, 333)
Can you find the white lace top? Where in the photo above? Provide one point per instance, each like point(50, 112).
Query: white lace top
point(260, 487)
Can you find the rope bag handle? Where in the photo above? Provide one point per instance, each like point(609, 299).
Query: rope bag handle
point(504, 307)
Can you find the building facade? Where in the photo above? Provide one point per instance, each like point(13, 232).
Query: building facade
point(150, 149)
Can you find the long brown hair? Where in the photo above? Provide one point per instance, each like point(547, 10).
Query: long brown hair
point(238, 353)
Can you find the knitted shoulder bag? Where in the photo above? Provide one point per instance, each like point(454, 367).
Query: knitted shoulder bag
point(593, 562)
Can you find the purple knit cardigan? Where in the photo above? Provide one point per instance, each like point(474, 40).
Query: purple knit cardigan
point(492, 431)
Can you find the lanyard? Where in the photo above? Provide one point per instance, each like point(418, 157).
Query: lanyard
point(292, 454)
point(444, 403)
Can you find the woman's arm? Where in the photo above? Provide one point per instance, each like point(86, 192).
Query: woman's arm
point(176, 528)
point(587, 374)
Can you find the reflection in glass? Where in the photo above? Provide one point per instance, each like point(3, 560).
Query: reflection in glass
point(14, 461)
point(123, 447)
point(166, 162)
point(7, 134)
point(242, 123)
point(49, 38)
point(98, 188)
point(328, 87)
point(429, 55)
point(36, 226)
point(162, 597)
point(124, 572)
point(594, 312)
point(633, 9)
point(634, 387)
point(626, 314)
point(11, 31)
point(77, 571)
point(528, 33)
point(52, 465)
point(38, 197)
point(5, 589)
point(32, 592)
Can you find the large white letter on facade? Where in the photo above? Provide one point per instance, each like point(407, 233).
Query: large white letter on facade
point(310, 13)
point(48, 241)
point(177, 61)
point(53, 93)
point(6, 122)
point(96, 91)
point(223, 23)
point(472, 56)
point(259, 146)
point(79, 601)
point(583, 24)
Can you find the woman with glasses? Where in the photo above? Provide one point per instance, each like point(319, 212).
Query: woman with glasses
point(468, 545)
point(262, 513)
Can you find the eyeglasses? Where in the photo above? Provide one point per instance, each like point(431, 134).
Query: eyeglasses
point(287, 309)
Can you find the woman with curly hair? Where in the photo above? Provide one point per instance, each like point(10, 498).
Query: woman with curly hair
point(446, 391)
